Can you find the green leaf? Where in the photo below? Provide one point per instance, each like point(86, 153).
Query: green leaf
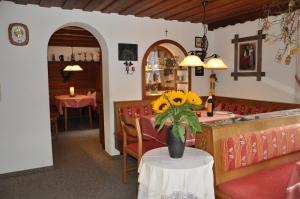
point(181, 132)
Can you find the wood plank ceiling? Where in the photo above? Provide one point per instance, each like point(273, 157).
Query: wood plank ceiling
point(219, 13)
point(73, 37)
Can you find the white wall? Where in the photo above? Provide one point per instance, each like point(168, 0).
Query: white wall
point(25, 140)
point(277, 85)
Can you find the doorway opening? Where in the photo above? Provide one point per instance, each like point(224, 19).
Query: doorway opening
point(76, 97)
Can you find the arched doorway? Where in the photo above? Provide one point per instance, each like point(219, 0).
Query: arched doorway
point(72, 43)
point(161, 71)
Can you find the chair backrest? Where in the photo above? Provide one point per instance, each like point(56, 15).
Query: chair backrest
point(130, 127)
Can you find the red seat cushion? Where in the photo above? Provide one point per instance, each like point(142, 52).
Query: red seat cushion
point(147, 146)
point(266, 184)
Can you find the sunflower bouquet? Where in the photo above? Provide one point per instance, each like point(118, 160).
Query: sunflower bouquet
point(176, 108)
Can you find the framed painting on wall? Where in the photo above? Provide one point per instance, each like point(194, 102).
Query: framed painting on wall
point(248, 56)
point(128, 52)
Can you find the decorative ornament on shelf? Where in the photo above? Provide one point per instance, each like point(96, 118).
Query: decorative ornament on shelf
point(289, 24)
point(176, 108)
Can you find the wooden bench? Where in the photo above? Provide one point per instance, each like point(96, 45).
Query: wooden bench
point(248, 150)
point(235, 105)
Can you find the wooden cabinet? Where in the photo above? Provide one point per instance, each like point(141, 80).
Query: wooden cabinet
point(161, 72)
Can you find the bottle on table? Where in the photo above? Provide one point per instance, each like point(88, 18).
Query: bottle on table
point(210, 106)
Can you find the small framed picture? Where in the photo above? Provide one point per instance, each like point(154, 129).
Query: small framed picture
point(199, 71)
point(247, 56)
point(128, 52)
point(198, 42)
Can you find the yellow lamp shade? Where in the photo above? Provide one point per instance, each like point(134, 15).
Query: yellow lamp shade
point(73, 68)
point(192, 61)
point(215, 64)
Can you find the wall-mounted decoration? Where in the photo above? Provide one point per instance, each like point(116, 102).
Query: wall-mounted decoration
point(248, 56)
point(199, 71)
point(18, 34)
point(128, 52)
point(198, 42)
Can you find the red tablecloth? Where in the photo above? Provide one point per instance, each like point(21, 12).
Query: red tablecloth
point(77, 101)
point(148, 127)
point(293, 189)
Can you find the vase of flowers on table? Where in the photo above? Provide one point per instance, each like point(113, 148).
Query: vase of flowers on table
point(176, 109)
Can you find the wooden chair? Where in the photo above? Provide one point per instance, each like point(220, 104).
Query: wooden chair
point(53, 118)
point(131, 129)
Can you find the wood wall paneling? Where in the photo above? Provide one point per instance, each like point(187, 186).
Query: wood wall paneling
point(83, 81)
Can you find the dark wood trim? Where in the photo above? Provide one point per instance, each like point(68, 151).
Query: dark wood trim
point(246, 74)
point(258, 73)
point(144, 63)
point(26, 172)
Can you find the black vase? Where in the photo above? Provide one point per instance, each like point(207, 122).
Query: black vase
point(175, 146)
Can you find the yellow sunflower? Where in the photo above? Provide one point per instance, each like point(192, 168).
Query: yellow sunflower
point(177, 98)
point(193, 98)
point(160, 105)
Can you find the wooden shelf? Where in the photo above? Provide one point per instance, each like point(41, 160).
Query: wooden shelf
point(74, 62)
point(181, 82)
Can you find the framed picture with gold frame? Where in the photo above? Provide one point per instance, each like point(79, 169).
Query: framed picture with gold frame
point(18, 34)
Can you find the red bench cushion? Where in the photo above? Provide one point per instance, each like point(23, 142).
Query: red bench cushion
point(253, 147)
point(266, 184)
point(147, 146)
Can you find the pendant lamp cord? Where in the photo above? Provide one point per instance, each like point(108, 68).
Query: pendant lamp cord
point(204, 4)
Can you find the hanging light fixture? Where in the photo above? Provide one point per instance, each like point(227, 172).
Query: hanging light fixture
point(197, 58)
point(72, 66)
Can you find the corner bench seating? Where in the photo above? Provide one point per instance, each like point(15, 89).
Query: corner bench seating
point(235, 105)
point(246, 149)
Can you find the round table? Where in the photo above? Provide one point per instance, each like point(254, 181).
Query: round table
point(162, 177)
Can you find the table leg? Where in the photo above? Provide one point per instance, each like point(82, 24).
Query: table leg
point(90, 116)
point(66, 118)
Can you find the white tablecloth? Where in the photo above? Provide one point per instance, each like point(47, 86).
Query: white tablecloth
point(162, 177)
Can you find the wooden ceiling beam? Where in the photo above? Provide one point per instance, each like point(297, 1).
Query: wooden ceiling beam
point(22, 2)
point(165, 5)
point(69, 4)
point(58, 3)
point(73, 32)
point(235, 12)
point(72, 38)
point(178, 9)
point(80, 4)
point(141, 6)
point(36, 2)
point(45, 3)
point(118, 6)
point(224, 11)
point(103, 5)
point(74, 45)
point(199, 10)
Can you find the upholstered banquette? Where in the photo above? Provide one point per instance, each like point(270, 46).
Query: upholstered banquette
point(235, 105)
point(253, 158)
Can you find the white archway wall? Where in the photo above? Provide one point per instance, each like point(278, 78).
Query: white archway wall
point(25, 141)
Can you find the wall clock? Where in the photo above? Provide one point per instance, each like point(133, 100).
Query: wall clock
point(18, 34)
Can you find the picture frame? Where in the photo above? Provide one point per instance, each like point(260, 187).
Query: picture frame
point(248, 56)
point(198, 42)
point(199, 71)
point(18, 34)
point(127, 52)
